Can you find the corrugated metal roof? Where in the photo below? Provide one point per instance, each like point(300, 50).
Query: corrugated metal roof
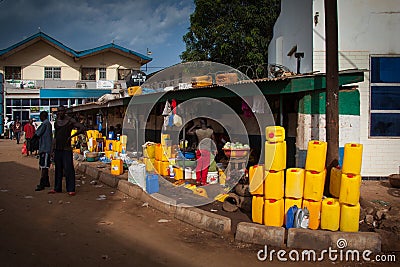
point(74, 53)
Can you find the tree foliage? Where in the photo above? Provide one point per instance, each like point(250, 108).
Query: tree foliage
point(232, 32)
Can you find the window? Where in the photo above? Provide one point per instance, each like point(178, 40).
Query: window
point(54, 102)
point(52, 73)
point(35, 102)
point(26, 102)
point(88, 74)
point(123, 73)
point(63, 102)
point(385, 96)
point(12, 73)
point(16, 102)
point(44, 102)
point(102, 73)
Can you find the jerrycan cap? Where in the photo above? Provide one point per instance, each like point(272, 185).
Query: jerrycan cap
point(350, 175)
point(353, 145)
point(272, 200)
point(271, 135)
point(330, 203)
point(294, 170)
point(273, 171)
point(314, 172)
point(316, 142)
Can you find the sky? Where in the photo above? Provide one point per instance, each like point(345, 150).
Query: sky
point(156, 25)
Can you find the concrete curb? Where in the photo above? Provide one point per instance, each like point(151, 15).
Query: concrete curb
point(108, 179)
point(202, 219)
point(260, 234)
point(319, 240)
point(92, 172)
point(130, 189)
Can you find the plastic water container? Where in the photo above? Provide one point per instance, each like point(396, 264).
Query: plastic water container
point(314, 185)
point(137, 175)
point(290, 202)
point(294, 183)
point(111, 135)
point(350, 189)
point(256, 180)
point(274, 184)
point(152, 185)
point(222, 177)
point(275, 156)
point(314, 207)
point(109, 154)
point(212, 177)
point(200, 191)
point(158, 152)
point(257, 209)
point(164, 138)
point(316, 156)
point(149, 151)
point(349, 217)
point(117, 167)
point(124, 139)
point(330, 214)
point(335, 180)
point(162, 167)
point(178, 173)
point(352, 158)
point(166, 153)
point(274, 212)
point(109, 145)
point(149, 164)
point(275, 133)
point(116, 146)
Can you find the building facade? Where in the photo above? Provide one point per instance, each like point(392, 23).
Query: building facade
point(369, 40)
point(41, 73)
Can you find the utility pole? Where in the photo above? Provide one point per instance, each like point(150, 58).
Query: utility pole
point(332, 87)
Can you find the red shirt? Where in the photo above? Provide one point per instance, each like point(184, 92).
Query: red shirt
point(29, 130)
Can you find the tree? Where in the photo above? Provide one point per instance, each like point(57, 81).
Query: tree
point(232, 32)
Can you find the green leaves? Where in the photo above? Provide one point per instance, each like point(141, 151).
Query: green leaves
point(231, 32)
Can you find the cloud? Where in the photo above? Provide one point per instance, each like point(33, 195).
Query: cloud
point(83, 24)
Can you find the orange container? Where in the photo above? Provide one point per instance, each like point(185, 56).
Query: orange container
point(330, 214)
point(274, 212)
point(294, 183)
point(316, 156)
point(334, 183)
point(275, 156)
point(352, 158)
point(257, 209)
point(314, 207)
point(275, 133)
point(349, 217)
point(256, 180)
point(314, 185)
point(162, 167)
point(274, 184)
point(117, 167)
point(178, 173)
point(350, 189)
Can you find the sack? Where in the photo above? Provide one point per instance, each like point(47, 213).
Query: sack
point(301, 218)
point(177, 120)
point(290, 215)
point(24, 150)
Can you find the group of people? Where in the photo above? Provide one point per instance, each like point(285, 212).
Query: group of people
point(58, 150)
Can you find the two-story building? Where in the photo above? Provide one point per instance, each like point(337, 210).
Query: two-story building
point(41, 73)
point(369, 39)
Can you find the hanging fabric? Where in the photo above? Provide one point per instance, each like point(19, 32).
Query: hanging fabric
point(258, 104)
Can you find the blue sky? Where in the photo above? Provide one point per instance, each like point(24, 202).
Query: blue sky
point(82, 24)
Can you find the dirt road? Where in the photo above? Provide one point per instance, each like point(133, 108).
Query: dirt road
point(38, 229)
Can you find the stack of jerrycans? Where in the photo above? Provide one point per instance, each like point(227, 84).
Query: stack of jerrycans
point(294, 188)
point(350, 184)
point(314, 181)
point(162, 155)
point(274, 181)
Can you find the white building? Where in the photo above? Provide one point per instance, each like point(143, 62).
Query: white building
point(369, 38)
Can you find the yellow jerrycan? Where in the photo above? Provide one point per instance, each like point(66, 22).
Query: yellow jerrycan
point(274, 184)
point(273, 212)
point(350, 189)
point(316, 156)
point(349, 217)
point(314, 185)
point(294, 183)
point(257, 209)
point(352, 158)
point(275, 133)
point(330, 214)
point(256, 180)
point(275, 156)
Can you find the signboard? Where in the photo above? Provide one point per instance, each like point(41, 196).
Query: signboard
point(101, 84)
point(22, 83)
point(35, 109)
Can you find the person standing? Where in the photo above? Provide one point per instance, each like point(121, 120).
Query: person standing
point(206, 144)
point(63, 151)
point(29, 130)
point(44, 133)
point(17, 128)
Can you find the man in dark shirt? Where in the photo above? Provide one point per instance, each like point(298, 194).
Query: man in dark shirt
point(63, 151)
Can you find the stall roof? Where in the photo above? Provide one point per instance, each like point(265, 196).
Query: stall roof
point(268, 86)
